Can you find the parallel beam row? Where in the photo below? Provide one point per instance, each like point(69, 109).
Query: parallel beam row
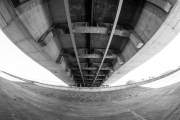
point(111, 36)
point(66, 4)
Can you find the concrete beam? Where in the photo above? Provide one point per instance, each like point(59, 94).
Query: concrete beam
point(45, 37)
point(97, 54)
point(20, 35)
point(93, 64)
point(3, 22)
point(166, 6)
point(91, 68)
point(113, 56)
point(129, 51)
point(88, 75)
point(66, 5)
point(87, 80)
point(58, 61)
point(119, 62)
point(95, 49)
point(111, 36)
point(68, 71)
point(135, 39)
point(163, 36)
point(100, 30)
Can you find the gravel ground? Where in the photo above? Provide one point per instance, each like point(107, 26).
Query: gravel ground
point(85, 96)
point(25, 101)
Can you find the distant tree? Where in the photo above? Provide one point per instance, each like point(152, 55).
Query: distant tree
point(130, 82)
point(166, 72)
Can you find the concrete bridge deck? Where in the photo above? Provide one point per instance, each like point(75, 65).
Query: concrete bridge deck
point(90, 43)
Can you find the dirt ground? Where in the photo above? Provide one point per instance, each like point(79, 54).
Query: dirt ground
point(25, 101)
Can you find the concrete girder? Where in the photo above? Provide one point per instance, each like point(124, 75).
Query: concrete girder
point(91, 20)
point(111, 36)
point(91, 72)
point(80, 24)
point(155, 15)
point(45, 37)
point(98, 53)
point(68, 71)
point(154, 44)
point(136, 40)
point(58, 60)
point(89, 80)
point(98, 64)
point(166, 6)
point(84, 50)
point(119, 62)
point(88, 75)
point(3, 20)
point(93, 64)
point(19, 32)
point(100, 30)
point(113, 56)
point(66, 5)
point(91, 68)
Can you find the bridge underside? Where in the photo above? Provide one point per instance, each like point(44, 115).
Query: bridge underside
point(90, 42)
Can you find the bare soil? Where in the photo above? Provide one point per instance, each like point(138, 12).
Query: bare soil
point(25, 101)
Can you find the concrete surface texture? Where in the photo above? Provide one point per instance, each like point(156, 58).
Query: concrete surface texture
point(26, 101)
point(76, 39)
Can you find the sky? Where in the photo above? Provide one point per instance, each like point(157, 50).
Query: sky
point(169, 80)
point(14, 61)
point(167, 59)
